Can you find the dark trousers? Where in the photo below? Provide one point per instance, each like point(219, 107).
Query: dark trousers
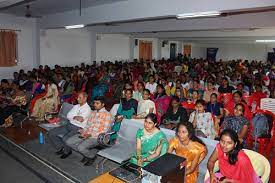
point(59, 135)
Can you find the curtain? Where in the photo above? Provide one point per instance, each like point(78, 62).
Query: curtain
point(8, 42)
point(145, 50)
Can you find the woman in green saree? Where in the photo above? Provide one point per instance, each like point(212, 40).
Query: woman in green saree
point(151, 142)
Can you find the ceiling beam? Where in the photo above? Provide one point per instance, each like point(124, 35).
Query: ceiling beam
point(244, 21)
point(144, 9)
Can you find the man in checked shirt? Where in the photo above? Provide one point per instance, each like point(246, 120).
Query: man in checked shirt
point(99, 122)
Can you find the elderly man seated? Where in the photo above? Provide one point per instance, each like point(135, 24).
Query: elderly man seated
point(78, 117)
point(99, 122)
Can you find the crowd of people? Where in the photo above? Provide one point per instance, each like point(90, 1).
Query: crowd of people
point(194, 97)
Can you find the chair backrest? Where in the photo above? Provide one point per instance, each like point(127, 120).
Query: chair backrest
point(248, 99)
point(260, 164)
point(65, 108)
point(268, 104)
point(225, 98)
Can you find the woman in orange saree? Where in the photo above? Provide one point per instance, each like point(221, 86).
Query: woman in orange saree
point(187, 145)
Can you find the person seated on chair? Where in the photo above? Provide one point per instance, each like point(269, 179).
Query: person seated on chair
point(151, 142)
point(237, 122)
point(237, 99)
point(215, 108)
point(203, 121)
point(174, 114)
point(127, 107)
point(14, 104)
point(187, 145)
point(225, 87)
point(99, 122)
point(78, 117)
point(145, 106)
point(138, 93)
point(234, 164)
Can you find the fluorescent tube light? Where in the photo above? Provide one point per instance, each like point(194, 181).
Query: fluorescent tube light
point(199, 14)
point(265, 41)
point(74, 26)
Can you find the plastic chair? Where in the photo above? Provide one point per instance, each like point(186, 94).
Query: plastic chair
point(267, 104)
point(248, 99)
point(225, 98)
point(259, 163)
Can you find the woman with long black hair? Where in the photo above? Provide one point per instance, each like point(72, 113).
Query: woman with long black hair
point(234, 164)
point(187, 145)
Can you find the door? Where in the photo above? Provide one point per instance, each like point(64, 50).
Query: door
point(173, 51)
point(145, 50)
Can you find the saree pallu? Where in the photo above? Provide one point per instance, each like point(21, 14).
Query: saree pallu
point(36, 98)
point(47, 104)
point(149, 145)
point(162, 105)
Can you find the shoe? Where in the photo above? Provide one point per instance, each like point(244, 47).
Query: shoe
point(59, 152)
point(84, 160)
point(90, 161)
point(66, 155)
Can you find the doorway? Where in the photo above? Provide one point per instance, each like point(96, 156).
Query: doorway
point(173, 51)
point(145, 50)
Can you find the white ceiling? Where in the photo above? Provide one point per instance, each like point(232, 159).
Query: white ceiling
point(156, 18)
point(45, 7)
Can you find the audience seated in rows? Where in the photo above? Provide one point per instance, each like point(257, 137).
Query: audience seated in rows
point(154, 91)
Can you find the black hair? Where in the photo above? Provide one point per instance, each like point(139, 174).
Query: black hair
point(214, 94)
point(233, 154)
point(141, 84)
point(200, 101)
point(130, 90)
point(175, 98)
point(4, 81)
point(100, 98)
point(238, 93)
point(146, 90)
point(153, 117)
point(240, 104)
point(191, 132)
point(161, 86)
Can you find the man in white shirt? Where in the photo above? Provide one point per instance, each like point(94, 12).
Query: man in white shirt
point(78, 117)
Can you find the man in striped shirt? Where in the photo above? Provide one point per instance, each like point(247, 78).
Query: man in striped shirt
point(99, 122)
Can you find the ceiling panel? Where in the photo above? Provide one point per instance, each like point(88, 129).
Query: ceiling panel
point(45, 7)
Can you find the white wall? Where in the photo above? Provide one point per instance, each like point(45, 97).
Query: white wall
point(26, 43)
point(65, 47)
point(233, 51)
point(111, 47)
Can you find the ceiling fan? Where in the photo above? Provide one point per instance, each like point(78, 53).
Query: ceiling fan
point(29, 14)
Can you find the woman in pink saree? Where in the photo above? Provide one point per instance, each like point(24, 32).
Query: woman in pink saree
point(162, 101)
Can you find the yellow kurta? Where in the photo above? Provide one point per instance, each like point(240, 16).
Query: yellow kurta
point(190, 154)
